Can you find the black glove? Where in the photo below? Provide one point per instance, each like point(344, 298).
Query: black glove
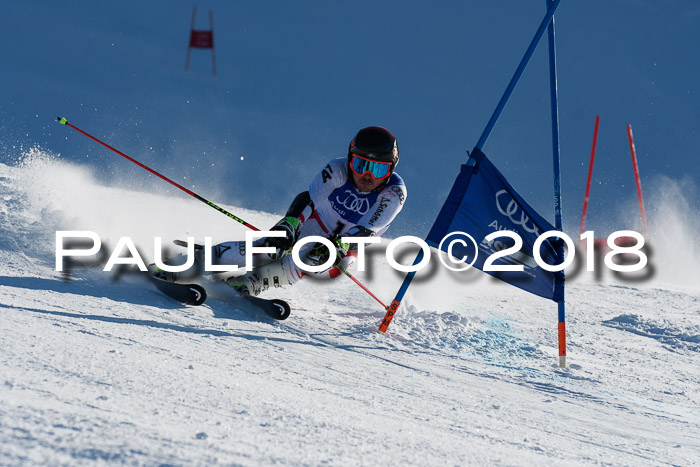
point(320, 253)
point(290, 226)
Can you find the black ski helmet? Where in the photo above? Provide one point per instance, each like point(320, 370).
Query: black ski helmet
point(376, 143)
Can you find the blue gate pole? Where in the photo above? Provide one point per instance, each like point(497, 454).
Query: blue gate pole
point(557, 180)
point(484, 136)
point(518, 72)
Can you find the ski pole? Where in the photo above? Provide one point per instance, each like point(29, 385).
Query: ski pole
point(63, 121)
point(354, 279)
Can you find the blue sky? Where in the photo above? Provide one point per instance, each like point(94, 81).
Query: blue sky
point(296, 80)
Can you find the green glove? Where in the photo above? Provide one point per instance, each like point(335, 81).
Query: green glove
point(291, 227)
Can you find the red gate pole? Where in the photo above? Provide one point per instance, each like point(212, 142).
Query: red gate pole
point(636, 178)
point(211, 28)
point(590, 175)
point(189, 43)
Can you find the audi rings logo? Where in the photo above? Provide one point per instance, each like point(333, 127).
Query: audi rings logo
point(515, 213)
point(353, 203)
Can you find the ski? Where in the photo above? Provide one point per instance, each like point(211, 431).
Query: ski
point(275, 308)
point(195, 294)
point(189, 294)
point(183, 243)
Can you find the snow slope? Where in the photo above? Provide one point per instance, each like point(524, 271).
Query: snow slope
point(96, 370)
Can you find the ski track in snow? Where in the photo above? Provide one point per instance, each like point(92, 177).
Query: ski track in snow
point(98, 370)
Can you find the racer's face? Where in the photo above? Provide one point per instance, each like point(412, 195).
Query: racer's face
point(366, 182)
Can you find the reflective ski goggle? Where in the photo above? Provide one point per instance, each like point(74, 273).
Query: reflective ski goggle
point(378, 170)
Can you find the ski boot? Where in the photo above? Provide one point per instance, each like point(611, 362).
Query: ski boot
point(255, 282)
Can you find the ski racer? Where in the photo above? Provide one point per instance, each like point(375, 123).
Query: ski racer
point(354, 196)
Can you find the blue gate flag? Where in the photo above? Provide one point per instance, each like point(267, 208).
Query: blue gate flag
point(482, 202)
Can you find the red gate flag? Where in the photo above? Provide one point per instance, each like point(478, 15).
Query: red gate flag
point(201, 39)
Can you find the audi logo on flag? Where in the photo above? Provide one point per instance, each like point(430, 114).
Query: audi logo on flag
point(515, 213)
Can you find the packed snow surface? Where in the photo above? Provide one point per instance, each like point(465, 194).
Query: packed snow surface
point(101, 368)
